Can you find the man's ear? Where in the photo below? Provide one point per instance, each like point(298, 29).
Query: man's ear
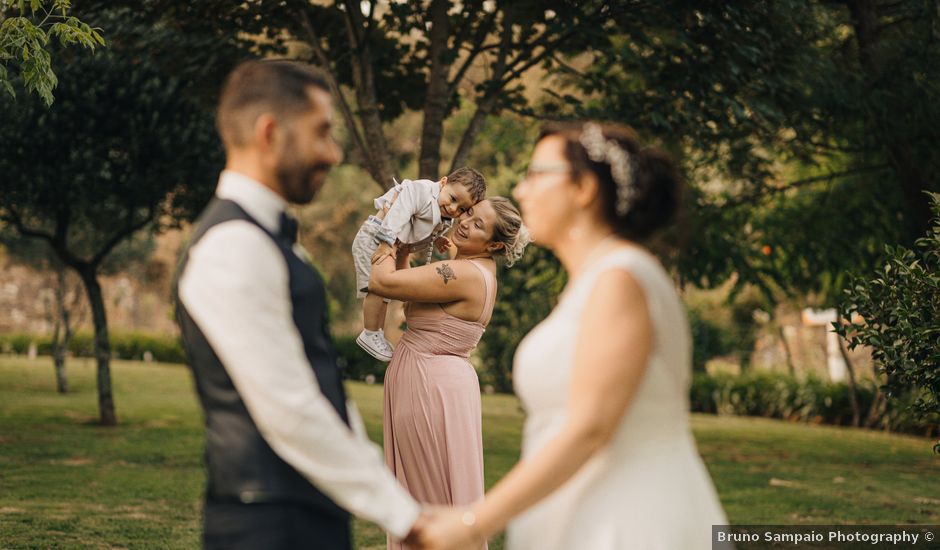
point(266, 133)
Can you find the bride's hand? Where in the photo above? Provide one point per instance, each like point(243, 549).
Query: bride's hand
point(445, 530)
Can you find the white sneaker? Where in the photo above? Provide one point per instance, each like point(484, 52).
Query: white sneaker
point(375, 345)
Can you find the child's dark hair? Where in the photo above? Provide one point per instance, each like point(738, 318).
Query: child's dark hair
point(472, 180)
point(657, 182)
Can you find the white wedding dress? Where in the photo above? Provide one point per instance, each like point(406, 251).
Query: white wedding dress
point(648, 489)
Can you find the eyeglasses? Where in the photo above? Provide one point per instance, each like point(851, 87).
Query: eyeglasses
point(536, 170)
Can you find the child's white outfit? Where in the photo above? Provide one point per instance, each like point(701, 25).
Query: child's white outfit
point(414, 218)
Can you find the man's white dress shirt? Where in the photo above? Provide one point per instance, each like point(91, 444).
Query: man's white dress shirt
point(235, 288)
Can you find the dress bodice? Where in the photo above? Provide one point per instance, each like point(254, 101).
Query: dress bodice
point(433, 331)
point(546, 357)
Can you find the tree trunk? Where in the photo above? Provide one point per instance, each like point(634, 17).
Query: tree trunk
point(853, 387)
point(61, 334)
point(437, 98)
point(786, 350)
point(911, 176)
point(106, 412)
point(380, 167)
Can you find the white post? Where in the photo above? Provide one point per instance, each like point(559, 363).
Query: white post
point(835, 364)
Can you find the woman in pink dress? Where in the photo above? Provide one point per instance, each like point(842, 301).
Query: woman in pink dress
point(433, 425)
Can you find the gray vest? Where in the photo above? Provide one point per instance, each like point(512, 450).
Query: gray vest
point(241, 465)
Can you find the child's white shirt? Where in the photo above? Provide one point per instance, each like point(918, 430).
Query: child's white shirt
point(415, 214)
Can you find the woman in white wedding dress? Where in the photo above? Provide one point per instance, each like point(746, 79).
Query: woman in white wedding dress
point(608, 458)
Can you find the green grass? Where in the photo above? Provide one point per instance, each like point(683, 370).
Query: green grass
point(66, 483)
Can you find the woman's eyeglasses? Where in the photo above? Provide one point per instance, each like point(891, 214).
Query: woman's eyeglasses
point(536, 170)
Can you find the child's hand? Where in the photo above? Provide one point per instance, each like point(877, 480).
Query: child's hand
point(442, 244)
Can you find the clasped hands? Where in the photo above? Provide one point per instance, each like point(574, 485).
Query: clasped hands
point(441, 528)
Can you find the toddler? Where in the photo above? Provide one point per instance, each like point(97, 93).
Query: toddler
point(416, 213)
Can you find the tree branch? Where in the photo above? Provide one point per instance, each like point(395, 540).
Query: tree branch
point(129, 229)
point(767, 191)
point(478, 48)
point(348, 117)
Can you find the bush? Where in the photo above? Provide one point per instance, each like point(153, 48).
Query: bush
point(355, 363)
point(813, 400)
point(896, 311)
point(709, 340)
point(526, 294)
point(124, 345)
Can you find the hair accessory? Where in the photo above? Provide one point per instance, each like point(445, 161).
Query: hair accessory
point(621, 163)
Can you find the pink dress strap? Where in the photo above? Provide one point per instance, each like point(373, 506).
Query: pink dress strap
point(489, 282)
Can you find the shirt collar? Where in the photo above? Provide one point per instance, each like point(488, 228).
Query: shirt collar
point(435, 207)
point(259, 201)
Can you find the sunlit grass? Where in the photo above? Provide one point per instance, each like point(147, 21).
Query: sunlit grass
point(67, 483)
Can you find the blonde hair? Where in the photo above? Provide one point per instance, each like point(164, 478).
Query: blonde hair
point(509, 230)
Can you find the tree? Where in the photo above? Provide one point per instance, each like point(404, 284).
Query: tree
point(431, 58)
point(804, 126)
point(896, 312)
point(25, 42)
point(121, 151)
point(64, 310)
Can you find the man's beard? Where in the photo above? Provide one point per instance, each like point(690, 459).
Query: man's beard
point(297, 179)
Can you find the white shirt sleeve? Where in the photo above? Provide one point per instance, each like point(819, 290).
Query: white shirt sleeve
point(410, 198)
point(235, 288)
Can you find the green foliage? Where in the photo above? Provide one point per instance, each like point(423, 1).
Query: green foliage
point(813, 400)
point(896, 312)
point(121, 149)
point(25, 41)
point(124, 345)
point(709, 340)
point(794, 120)
point(526, 295)
point(357, 364)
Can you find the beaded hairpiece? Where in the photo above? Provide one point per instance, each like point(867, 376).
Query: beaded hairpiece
point(621, 163)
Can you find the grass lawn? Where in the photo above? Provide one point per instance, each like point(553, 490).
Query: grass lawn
point(66, 483)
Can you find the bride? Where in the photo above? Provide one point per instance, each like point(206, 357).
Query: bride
point(608, 458)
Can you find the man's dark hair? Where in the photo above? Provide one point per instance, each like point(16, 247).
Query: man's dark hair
point(276, 86)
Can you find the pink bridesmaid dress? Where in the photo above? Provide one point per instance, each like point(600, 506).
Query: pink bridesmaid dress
point(433, 425)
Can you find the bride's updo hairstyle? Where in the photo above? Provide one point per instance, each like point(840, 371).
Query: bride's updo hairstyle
point(639, 186)
point(509, 230)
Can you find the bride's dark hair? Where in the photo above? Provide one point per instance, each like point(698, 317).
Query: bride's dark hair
point(656, 182)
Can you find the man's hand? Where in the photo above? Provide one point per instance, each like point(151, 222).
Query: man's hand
point(444, 529)
point(415, 534)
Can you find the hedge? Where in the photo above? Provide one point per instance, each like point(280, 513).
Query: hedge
point(780, 395)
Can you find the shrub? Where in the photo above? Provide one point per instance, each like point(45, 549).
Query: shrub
point(896, 311)
point(781, 395)
point(355, 363)
point(124, 345)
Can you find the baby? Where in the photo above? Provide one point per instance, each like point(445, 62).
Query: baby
point(416, 213)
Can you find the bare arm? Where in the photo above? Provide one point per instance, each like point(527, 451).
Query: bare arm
point(437, 283)
point(611, 352)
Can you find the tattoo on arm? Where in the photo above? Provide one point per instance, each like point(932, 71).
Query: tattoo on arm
point(446, 273)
